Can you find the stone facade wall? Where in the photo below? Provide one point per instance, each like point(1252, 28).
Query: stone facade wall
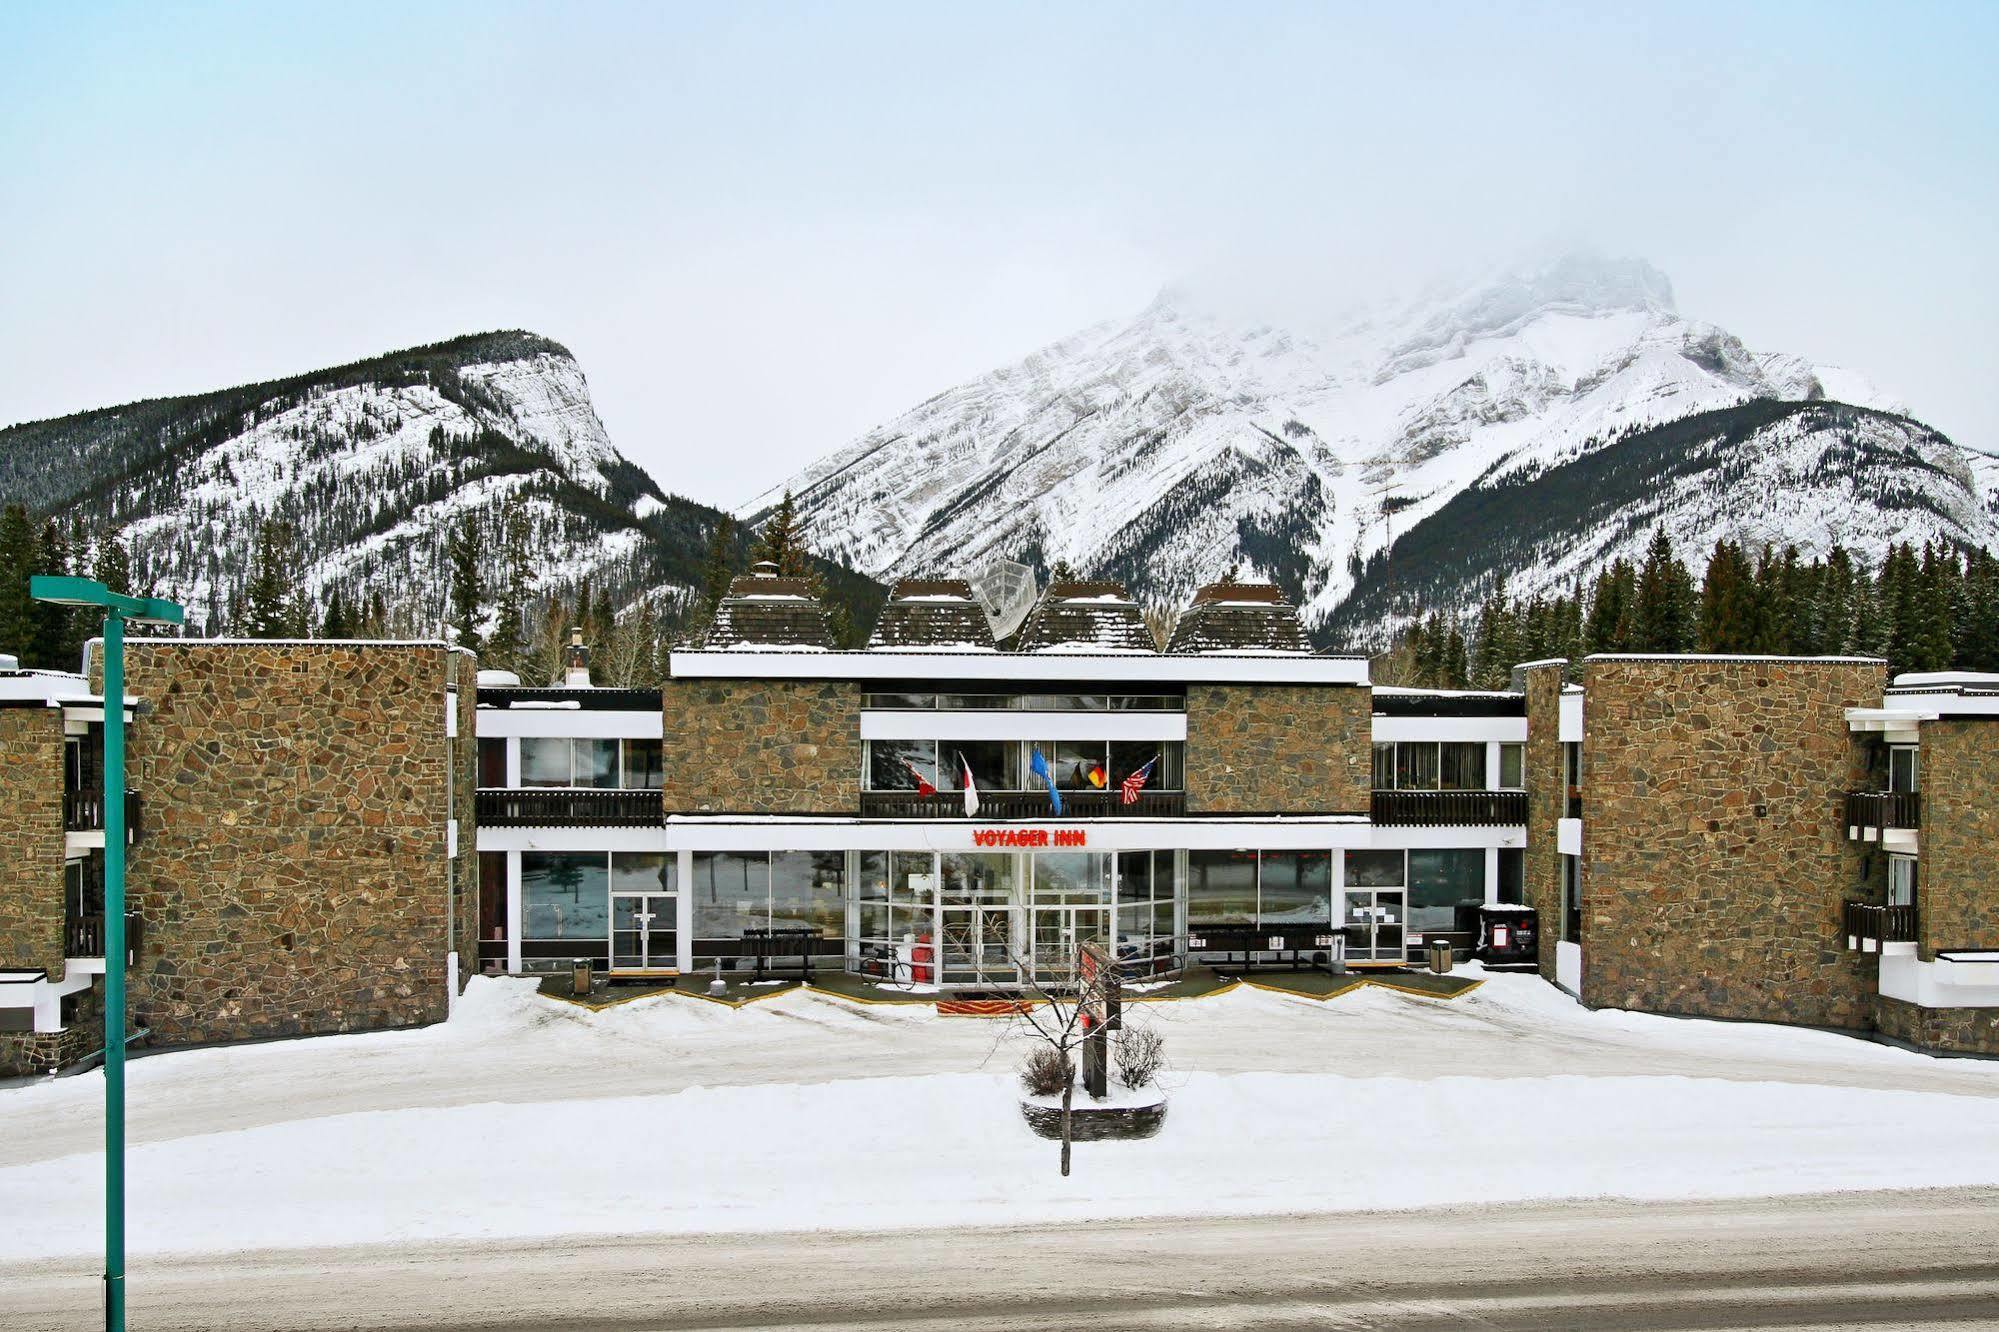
point(293, 875)
point(762, 746)
point(1547, 798)
point(1958, 845)
point(1279, 749)
point(1950, 1030)
point(31, 839)
point(1715, 858)
point(23, 1054)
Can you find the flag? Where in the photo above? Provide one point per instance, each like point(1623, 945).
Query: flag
point(1039, 767)
point(971, 788)
point(1098, 777)
point(1135, 783)
point(923, 786)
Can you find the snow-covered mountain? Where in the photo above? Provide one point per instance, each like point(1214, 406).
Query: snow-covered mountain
point(1165, 448)
point(371, 464)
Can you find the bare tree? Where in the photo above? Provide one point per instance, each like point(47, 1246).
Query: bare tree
point(1066, 1011)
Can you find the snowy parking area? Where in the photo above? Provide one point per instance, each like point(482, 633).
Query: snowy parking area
point(526, 1117)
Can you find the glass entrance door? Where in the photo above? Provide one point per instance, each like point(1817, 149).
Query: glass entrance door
point(644, 936)
point(979, 946)
point(1059, 934)
point(1374, 925)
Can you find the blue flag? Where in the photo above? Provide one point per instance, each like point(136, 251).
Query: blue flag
point(1039, 767)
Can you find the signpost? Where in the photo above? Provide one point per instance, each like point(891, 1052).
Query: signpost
point(118, 610)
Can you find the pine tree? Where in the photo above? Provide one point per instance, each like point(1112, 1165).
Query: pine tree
point(18, 561)
point(113, 565)
point(1611, 610)
point(337, 623)
point(717, 569)
point(781, 542)
point(270, 597)
point(1456, 662)
point(1728, 613)
point(463, 548)
point(507, 645)
point(1932, 645)
point(58, 630)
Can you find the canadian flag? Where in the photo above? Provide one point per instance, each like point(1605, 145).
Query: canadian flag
point(971, 788)
point(923, 786)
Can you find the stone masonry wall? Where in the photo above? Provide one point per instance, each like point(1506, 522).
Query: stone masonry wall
point(1952, 1030)
point(293, 875)
point(1715, 860)
point(762, 746)
point(1547, 797)
point(1957, 903)
point(25, 1053)
point(31, 839)
point(1279, 749)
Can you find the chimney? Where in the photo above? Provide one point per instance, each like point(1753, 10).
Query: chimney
point(576, 662)
point(764, 569)
point(9, 662)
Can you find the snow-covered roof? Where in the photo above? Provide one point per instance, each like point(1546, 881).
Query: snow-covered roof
point(1069, 667)
point(1239, 617)
point(766, 613)
point(924, 614)
point(47, 688)
point(1095, 615)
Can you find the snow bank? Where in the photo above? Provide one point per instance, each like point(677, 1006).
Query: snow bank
point(951, 1150)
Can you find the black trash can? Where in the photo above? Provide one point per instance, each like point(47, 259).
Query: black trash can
point(1508, 934)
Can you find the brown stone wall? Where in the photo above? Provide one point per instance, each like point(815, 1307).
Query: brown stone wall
point(23, 1054)
point(762, 746)
point(1951, 1030)
point(31, 839)
point(1279, 749)
point(1547, 795)
point(293, 875)
point(1715, 860)
point(1958, 844)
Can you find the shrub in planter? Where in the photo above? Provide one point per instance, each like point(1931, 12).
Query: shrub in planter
point(1046, 1071)
point(1139, 1052)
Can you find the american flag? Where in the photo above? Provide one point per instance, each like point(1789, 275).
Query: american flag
point(1135, 783)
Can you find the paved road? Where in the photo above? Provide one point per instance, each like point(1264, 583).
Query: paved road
point(1883, 1260)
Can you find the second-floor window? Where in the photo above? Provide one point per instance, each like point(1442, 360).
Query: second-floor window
point(1004, 765)
point(1903, 770)
point(631, 765)
point(1429, 765)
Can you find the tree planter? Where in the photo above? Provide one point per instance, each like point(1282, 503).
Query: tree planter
point(1124, 1116)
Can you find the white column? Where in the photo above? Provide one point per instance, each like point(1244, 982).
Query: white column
point(513, 910)
point(1492, 874)
point(1492, 765)
point(683, 908)
point(513, 760)
point(48, 1007)
point(1339, 888)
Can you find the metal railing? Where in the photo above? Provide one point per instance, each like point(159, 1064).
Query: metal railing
point(1881, 810)
point(1449, 809)
point(83, 936)
point(1866, 922)
point(83, 811)
point(998, 805)
point(570, 807)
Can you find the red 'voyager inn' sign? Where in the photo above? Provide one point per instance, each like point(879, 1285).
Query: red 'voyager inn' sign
point(1030, 837)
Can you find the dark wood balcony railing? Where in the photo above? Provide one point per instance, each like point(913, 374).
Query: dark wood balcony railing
point(570, 807)
point(1884, 809)
point(1449, 809)
point(83, 811)
point(1000, 805)
point(83, 936)
point(1866, 922)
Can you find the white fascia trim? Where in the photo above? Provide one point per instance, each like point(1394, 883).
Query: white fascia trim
point(570, 722)
point(1301, 834)
point(1444, 839)
point(1000, 725)
point(1939, 984)
point(1506, 730)
point(572, 839)
point(1024, 667)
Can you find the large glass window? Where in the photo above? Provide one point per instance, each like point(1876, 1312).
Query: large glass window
point(1512, 875)
point(995, 764)
point(1128, 756)
point(1078, 765)
point(1374, 869)
point(973, 877)
point(1512, 767)
point(1438, 881)
point(1462, 765)
point(492, 760)
point(644, 770)
point(548, 760)
point(1902, 768)
point(565, 897)
point(808, 891)
point(731, 893)
point(1901, 881)
point(1221, 889)
point(1384, 766)
point(1074, 878)
point(1416, 767)
point(545, 760)
point(895, 765)
point(1294, 888)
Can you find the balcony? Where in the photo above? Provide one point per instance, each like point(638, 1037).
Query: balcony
point(1869, 926)
point(1449, 809)
point(83, 936)
point(570, 807)
point(83, 811)
point(1882, 810)
point(998, 805)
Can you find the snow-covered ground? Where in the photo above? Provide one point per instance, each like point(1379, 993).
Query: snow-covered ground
point(523, 1117)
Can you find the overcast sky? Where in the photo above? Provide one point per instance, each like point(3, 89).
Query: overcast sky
point(764, 229)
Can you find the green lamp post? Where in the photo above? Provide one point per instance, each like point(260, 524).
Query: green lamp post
point(118, 611)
